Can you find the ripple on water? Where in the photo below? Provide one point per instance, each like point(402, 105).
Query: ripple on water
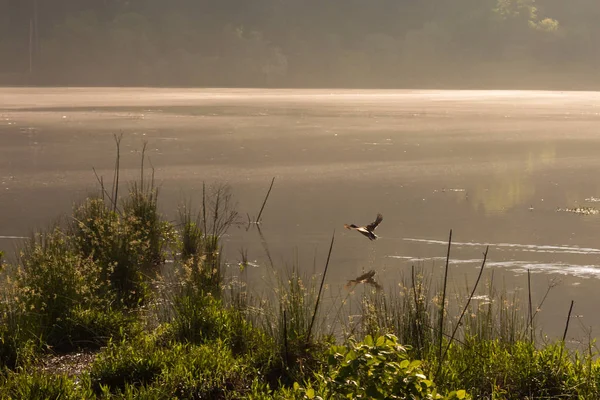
point(580, 271)
point(533, 248)
point(518, 266)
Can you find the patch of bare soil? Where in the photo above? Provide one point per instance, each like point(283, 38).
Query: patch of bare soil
point(69, 364)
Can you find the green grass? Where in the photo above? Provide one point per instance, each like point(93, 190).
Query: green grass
point(36, 385)
point(377, 368)
point(127, 246)
point(151, 299)
point(490, 368)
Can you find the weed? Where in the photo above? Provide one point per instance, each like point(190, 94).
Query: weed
point(35, 385)
point(137, 363)
point(126, 247)
point(377, 369)
point(84, 287)
point(91, 328)
point(53, 279)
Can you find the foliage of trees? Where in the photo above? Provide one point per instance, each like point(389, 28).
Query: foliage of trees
point(330, 43)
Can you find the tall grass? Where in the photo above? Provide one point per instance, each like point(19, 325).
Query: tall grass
point(72, 281)
point(291, 316)
point(99, 281)
point(17, 338)
point(54, 279)
point(129, 242)
point(126, 246)
point(199, 250)
point(412, 312)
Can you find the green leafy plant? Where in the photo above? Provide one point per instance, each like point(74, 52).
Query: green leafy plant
point(36, 385)
point(138, 362)
point(374, 369)
point(53, 279)
point(92, 328)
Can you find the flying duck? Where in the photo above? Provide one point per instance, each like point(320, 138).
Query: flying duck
point(367, 230)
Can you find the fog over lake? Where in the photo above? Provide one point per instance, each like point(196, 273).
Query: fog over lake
point(494, 166)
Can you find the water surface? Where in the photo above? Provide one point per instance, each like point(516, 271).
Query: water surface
point(494, 166)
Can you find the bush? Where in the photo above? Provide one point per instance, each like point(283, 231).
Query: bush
point(140, 211)
point(199, 319)
point(374, 369)
point(15, 336)
point(52, 280)
point(127, 246)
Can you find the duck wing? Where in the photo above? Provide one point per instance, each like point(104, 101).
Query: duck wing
point(371, 227)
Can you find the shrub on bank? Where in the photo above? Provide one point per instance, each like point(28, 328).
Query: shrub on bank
point(52, 280)
point(127, 246)
point(375, 369)
point(16, 340)
point(96, 285)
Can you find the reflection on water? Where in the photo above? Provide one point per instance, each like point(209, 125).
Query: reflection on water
point(504, 191)
point(513, 184)
point(493, 166)
point(546, 156)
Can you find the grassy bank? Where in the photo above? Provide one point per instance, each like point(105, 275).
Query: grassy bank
point(117, 302)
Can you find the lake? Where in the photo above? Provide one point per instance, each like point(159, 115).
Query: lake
point(494, 166)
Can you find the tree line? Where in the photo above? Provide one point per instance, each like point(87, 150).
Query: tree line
point(302, 43)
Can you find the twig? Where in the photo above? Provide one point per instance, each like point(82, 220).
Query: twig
point(216, 207)
point(117, 171)
point(434, 329)
point(249, 222)
point(153, 171)
point(265, 201)
point(101, 181)
point(142, 166)
point(339, 310)
point(562, 346)
point(266, 247)
point(417, 309)
point(530, 315)
point(204, 208)
point(285, 339)
point(551, 286)
point(441, 329)
point(102, 187)
point(466, 306)
point(567, 324)
point(320, 289)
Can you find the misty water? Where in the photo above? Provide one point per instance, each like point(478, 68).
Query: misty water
point(494, 166)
